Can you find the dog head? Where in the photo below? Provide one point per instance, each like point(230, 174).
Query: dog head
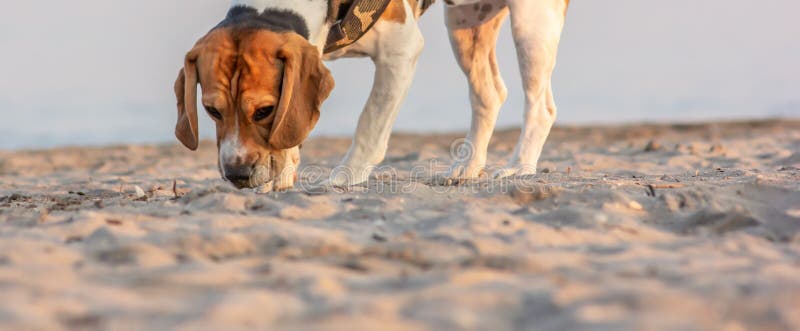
point(262, 88)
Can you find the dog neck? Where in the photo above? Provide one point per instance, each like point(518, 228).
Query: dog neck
point(308, 18)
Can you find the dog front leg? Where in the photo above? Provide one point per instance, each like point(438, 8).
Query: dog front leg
point(285, 164)
point(394, 49)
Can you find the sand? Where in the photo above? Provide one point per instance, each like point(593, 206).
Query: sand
point(643, 227)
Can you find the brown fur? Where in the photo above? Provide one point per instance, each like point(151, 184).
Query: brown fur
point(243, 71)
point(306, 84)
point(218, 56)
point(396, 12)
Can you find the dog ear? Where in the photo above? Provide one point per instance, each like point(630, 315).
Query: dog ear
point(186, 129)
point(306, 84)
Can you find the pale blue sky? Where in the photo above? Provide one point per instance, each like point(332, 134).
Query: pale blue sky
point(101, 72)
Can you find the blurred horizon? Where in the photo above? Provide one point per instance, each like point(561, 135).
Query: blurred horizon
point(92, 72)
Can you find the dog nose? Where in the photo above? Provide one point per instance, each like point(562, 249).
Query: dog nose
point(238, 175)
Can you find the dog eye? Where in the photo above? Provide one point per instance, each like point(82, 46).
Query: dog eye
point(263, 113)
point(213, 112)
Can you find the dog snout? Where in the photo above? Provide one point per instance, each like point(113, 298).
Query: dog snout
point(239, 175)
point(247, 176)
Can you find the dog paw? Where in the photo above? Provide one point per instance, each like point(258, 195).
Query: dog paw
point(278, 185)
point(468, 161)
point(440, 180)
point(514, 170)
point(281, 182)
point(285, 180)
point(467, 169)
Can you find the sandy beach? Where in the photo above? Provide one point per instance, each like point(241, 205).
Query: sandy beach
point(640, 227)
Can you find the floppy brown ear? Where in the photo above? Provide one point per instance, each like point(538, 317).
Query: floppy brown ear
point(186, 93)
point(306, 84)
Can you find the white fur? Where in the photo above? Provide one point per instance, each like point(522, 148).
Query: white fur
point(314, 12)
point(286, 162)
point(473, 35)
point(537, 27)
point(394, 49)
point(231, 150)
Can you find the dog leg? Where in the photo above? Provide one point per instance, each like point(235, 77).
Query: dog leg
point(537, 27)
point(284, 166)
point(473, 31)
point(394, 48)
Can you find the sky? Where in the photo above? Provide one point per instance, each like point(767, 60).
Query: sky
point(101, 72)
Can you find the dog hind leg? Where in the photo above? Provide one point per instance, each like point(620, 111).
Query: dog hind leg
point(537, 27)
point(473, 31)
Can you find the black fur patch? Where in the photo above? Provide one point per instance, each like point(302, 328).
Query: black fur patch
point(243, 17)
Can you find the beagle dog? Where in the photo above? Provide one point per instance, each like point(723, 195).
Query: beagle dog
point(263, 81)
